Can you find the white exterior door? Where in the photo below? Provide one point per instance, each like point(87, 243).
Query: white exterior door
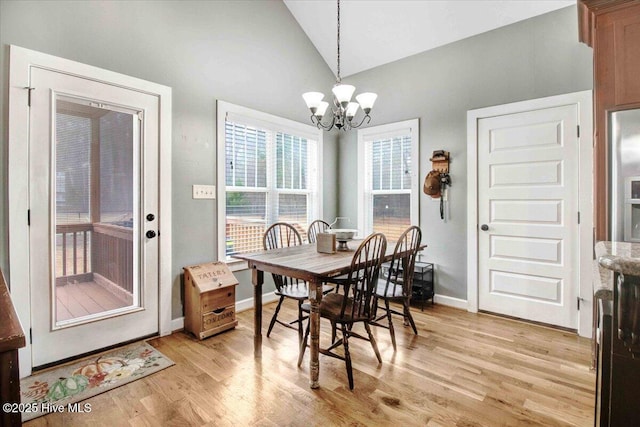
point(528, 237)
point(93, 199)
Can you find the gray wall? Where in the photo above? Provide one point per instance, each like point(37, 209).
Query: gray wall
point(531, 59)
point(251, 53)
point(254, 54)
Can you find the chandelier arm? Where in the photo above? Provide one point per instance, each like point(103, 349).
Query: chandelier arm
point(321, 125)
point(366, 117)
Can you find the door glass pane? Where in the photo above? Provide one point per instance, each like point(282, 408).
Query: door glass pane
point(96, 213)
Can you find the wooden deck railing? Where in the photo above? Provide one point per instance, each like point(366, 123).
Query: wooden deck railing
point(73, 243)
point(83, 250)
point(112, 254)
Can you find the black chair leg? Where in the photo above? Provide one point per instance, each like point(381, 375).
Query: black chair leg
point(300, 326)
point(347, 355)
point(333, 332)
point(391, 330)
point(372, 340)
point(303, 345)
point(407, 315)
point(275, 316)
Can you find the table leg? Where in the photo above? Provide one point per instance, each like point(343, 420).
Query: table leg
point(315, 297)
point(257, 278)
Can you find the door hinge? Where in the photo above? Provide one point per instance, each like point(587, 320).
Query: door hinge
point(578, 127)
point(28, 217)
point(30, 336)
point(141, 115)
point(578, 304)
point(29, 88)
point(578, 217)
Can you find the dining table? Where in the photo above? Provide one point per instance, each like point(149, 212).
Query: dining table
point(306, 263)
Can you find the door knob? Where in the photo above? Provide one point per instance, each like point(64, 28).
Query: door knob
point(484, 227)
point(151, 234)
point(151, 217)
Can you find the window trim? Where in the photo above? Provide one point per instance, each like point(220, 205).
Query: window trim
point(369, 134)
point(274, 123)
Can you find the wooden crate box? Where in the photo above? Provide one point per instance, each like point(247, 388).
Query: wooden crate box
point(210, 299)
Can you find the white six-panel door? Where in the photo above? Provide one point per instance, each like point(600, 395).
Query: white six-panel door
point(528, 175)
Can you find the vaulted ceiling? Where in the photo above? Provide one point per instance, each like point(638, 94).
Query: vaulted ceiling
point(376, 32)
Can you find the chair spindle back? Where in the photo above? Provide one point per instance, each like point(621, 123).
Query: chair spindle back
point(403, 263)
point(281, 235)
point(363, 277)
point(317, 226)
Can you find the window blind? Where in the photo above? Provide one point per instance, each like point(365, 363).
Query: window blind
point(391, 164)
point(270, 176)
point(388, 156)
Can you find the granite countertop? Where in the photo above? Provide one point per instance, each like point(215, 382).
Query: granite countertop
point(620, 257)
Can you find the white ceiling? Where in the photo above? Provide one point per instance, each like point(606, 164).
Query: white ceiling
point(376, 32)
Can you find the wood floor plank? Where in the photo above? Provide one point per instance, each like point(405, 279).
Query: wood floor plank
point(463, 369)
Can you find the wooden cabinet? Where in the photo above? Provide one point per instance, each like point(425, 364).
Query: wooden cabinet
point(11, 339)
point(612, 28)
point(603, 364)
point(209, 299)
point(618, 375)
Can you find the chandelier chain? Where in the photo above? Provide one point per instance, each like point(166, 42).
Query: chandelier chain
point(338, 42)
point(342, 111)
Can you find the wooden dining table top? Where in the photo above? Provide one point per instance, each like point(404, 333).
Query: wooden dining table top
point(305, 262)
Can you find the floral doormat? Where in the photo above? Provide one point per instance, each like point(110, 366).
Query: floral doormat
point(59, 389)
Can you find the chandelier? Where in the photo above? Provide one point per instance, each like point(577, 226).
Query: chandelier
point(343, 110)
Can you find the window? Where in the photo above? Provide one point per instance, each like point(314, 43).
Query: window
point(268, 171)
point(388, 184)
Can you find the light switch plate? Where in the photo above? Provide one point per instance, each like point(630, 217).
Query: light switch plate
point(204, 191)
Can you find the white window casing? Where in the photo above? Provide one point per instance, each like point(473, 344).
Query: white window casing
point(272, 168)
point(388, 177)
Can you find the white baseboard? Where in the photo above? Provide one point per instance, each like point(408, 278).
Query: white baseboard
point(451, 301)
point(247, 304)
point(177, 324)
point(242, 305)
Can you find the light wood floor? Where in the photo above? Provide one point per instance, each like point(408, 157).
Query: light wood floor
point(75, 300)
point(463, 369)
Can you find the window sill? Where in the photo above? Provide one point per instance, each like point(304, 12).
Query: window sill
point(237, 265)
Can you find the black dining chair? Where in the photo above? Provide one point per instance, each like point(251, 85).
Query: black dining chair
point(281, 235)
point(396, 284)
point(317, 226)
point(356, 305)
